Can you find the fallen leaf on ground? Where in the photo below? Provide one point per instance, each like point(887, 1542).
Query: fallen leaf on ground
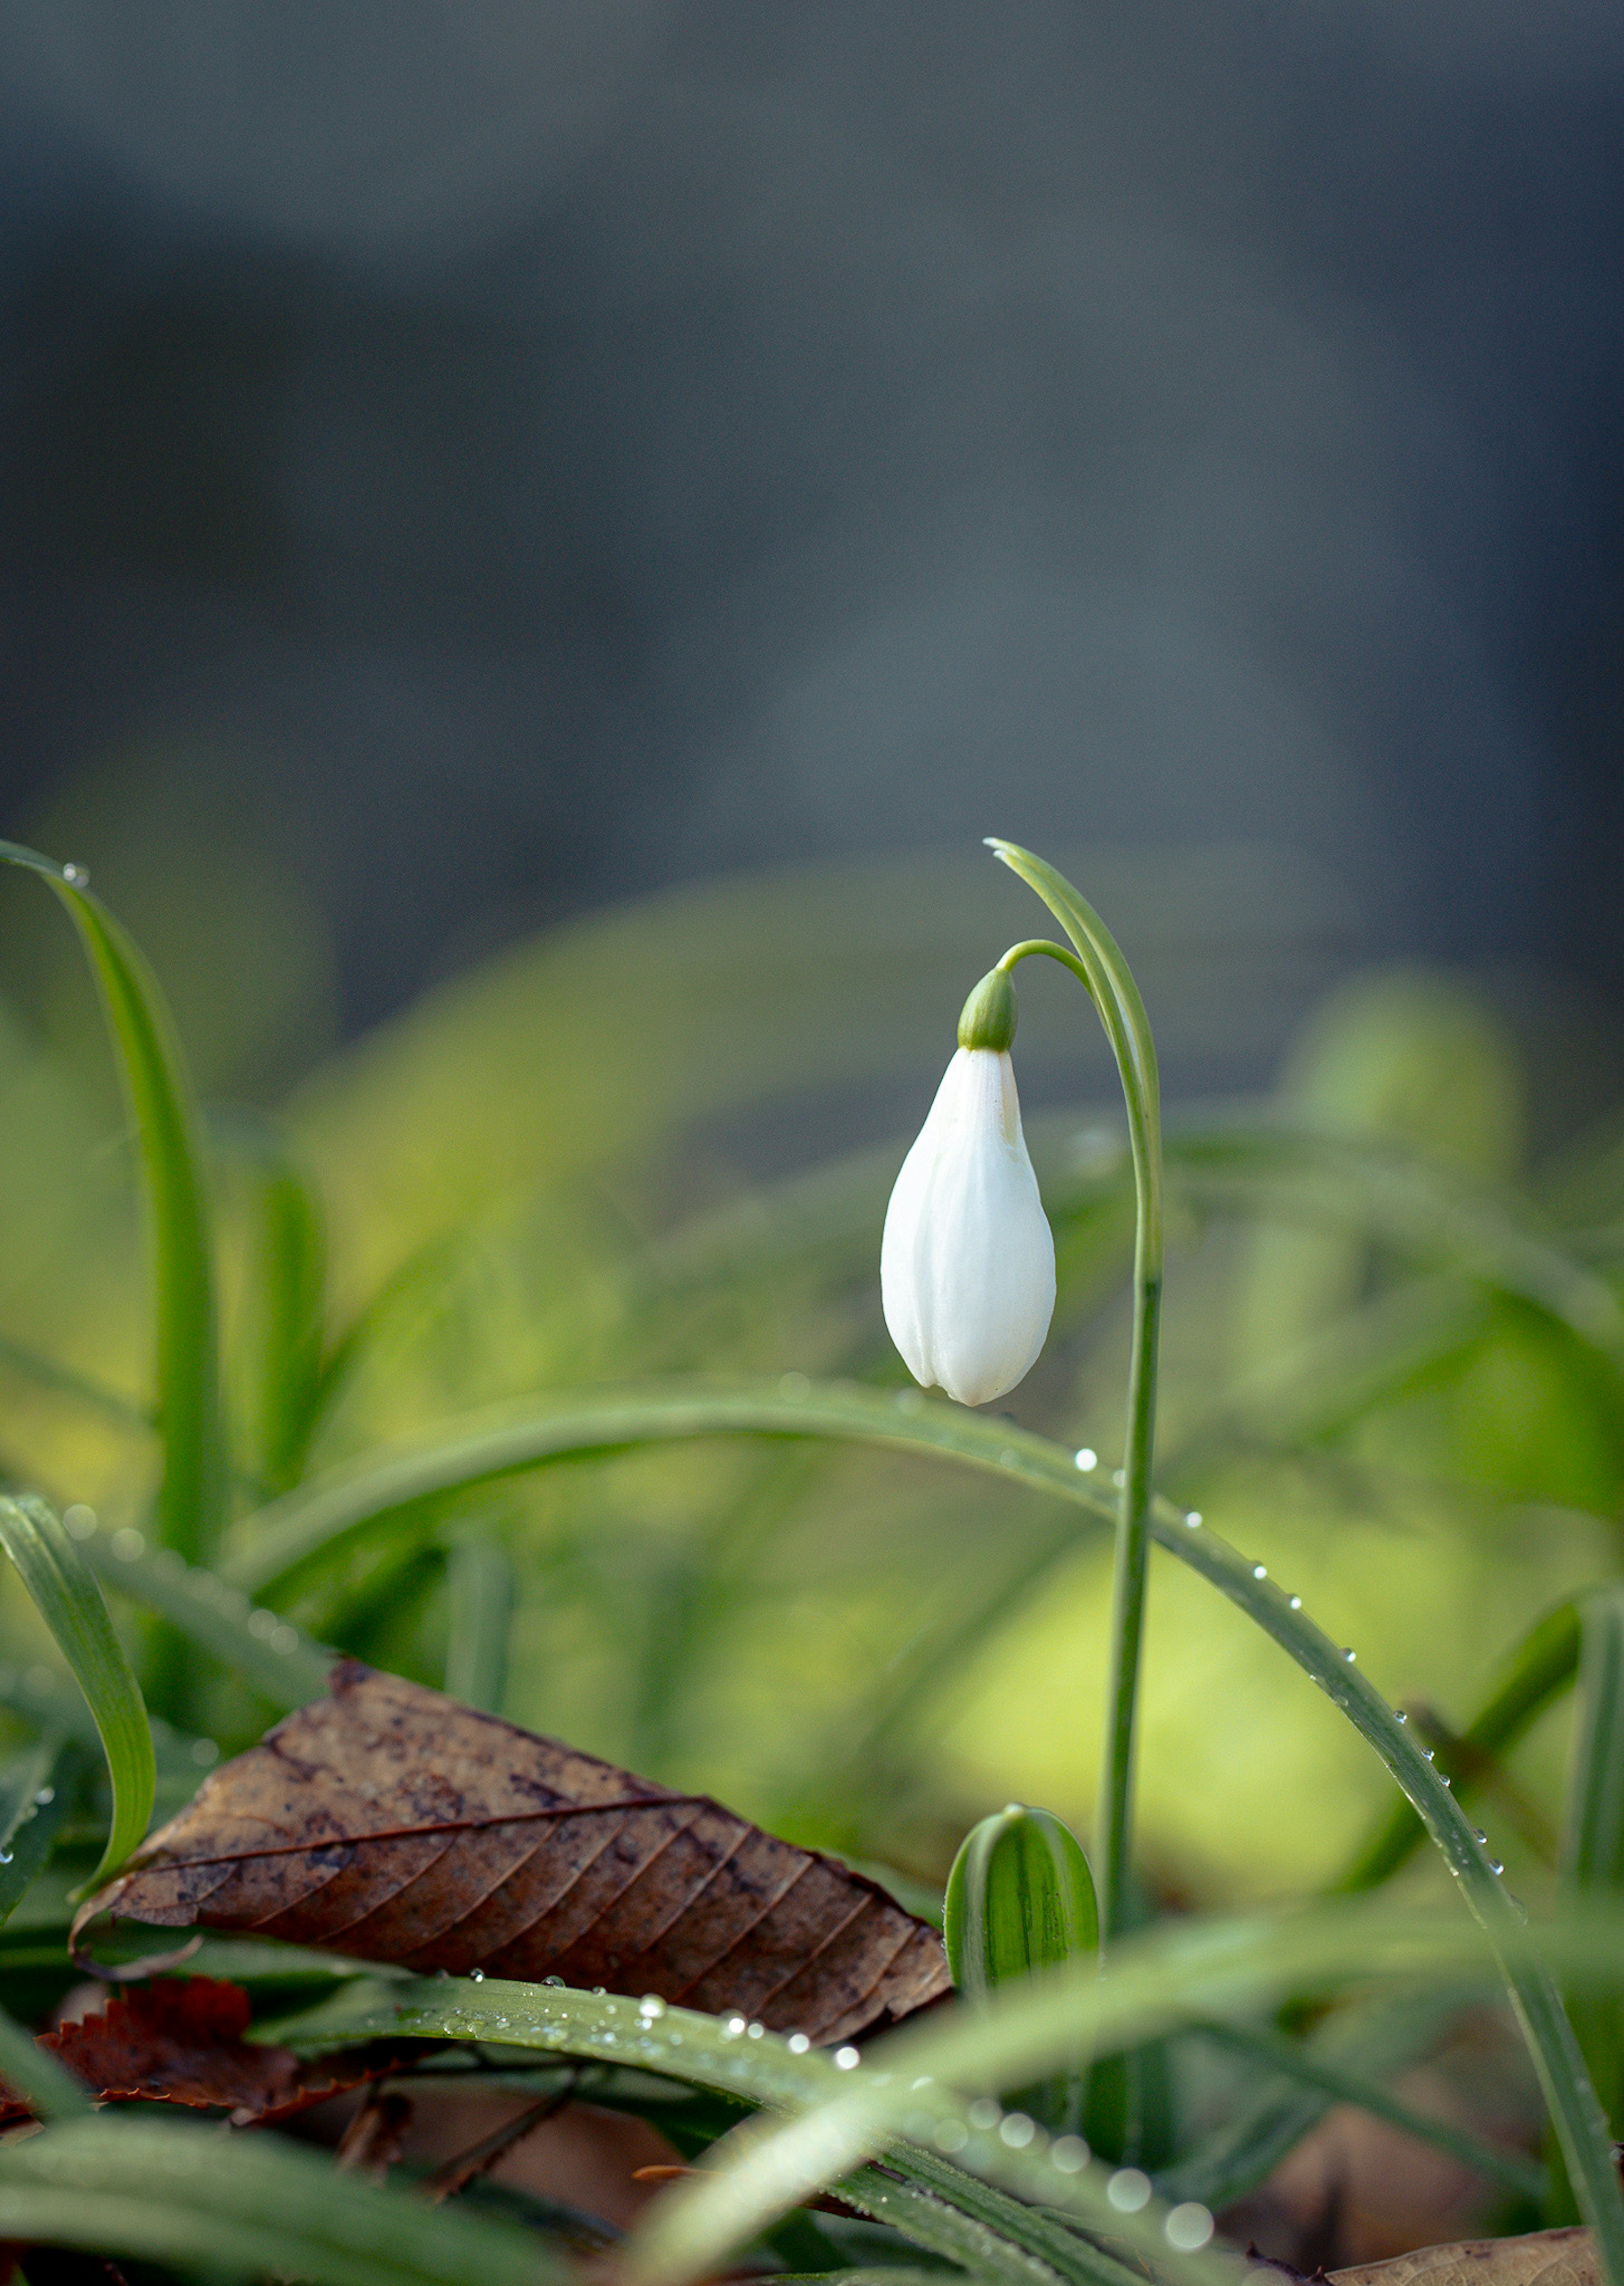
point(392, 1824)
point(181, 2041)
point(1543, 2258)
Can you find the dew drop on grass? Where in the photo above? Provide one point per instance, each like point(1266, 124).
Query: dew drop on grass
point(1087, 1458)
point(5, 1857)
point(651, 2005)
point(1295, 1604)
point(1477, 1836)
point(1119, 1478)
point(1069, 2154)
point(754, 2031)
point(1400, 1716)
point(475, 1976)
point(847, 2060)
point(76, 877)
point(950, 2135)
point(1350, 1656)
point(557, 1981)
point(600, 1992)
point(1016, 2129)
point(1188, 2226)
point(79, 1522)
point(985, 2113)
point(1194, 1519)
point(1444, 1779)
point(798, 2044)
point(1260, 1571)
point(1426, 1753)
point(1129, 2190)
point(44, 1795)
point(1495, 1865)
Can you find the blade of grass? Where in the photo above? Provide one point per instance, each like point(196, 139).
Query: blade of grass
point(1540, 1669)
point(269, 1651)
point(37, 2077)
point(479, 1586)
point(192, 1493)
point(34, 1800)
point(1512, 2170)
point(174, 2192)
point(1593, 1844)
point(289, 1259)
point(69, 1600)
point(332, 1515)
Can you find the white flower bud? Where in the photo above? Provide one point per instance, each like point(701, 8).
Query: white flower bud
point(967, 1265)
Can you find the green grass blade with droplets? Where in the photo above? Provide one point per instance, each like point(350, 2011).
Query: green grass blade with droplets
point(192, 1493)
point(68, 1599)
point(175, 2193)
point(333, 1514)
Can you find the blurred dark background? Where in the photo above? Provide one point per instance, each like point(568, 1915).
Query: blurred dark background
point(477, 459)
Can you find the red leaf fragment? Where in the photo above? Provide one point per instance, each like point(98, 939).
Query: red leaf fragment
point(180, 2040)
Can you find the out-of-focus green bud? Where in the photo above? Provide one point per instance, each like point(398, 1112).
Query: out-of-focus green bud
point(988, 1018)
point(1019, 1897)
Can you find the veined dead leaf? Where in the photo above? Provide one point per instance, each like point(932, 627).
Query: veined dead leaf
point(180, 2040)
point(392, 1824)
point(1543, 2258)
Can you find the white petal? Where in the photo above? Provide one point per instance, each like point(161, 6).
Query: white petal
point(967, 1265)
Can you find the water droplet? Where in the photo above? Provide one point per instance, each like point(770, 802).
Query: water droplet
point(734, 2029)
point(1016, 2129)
point(600, 1992)
point(950, 2135)
point(1069, 2154)
point(907, 1400)
point(754, 2031)
point(1426, 1753)
point(79, 1522)
point(847, 2060)
point(1495, 1866)
point(1260, 1571)
point(557, 1981)
point(5, 1857)
point(1087, 1458)
point(1350, 1656)
point(984, 2113)
point(651, 2005)
point(1477, 1836)
point(1008, 1458)
point(475, 1976)
point(1119, 1478)
point(1194, 1519)
point(798, 2044)
point(1188, 2226)
point(1400, 1716)
point(127, 1544)
point(1129, 2190)
point(45, 1794)
point(76, 877)
point(1294, 1604)
point(674, 2039)
point(794, 1385)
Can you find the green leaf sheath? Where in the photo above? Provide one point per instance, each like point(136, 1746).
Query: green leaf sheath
point(295, 1534)
point(42, 2081)
point(1116, 998)
point(191, 1492)
point(175, 2191)
point(69, 1600)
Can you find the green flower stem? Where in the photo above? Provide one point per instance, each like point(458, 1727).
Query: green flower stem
point(1098, 961)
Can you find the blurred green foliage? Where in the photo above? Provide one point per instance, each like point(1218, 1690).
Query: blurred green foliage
point(1392, 1369)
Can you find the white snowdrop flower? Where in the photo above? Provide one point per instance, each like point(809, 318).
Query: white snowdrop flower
point(967, 1265)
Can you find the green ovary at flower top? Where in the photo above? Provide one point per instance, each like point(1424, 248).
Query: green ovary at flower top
point(966, 1264)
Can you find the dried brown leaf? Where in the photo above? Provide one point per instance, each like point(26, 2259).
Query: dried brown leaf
point(1544, 2258)
point(181, 2041)
point(392, 1824)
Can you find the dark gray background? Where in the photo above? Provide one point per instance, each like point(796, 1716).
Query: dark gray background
point(506, 456)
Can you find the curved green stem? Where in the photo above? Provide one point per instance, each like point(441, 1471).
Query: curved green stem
point(1098, 961)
